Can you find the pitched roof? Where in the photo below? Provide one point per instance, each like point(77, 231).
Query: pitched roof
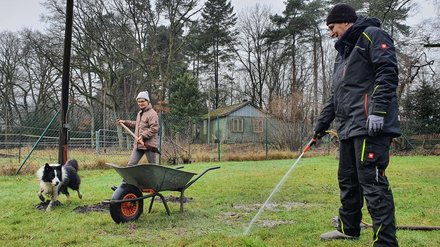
point(226, 110)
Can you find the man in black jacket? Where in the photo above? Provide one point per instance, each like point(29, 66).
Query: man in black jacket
point(363, 104)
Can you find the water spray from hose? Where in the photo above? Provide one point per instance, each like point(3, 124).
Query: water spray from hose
point(278, 186)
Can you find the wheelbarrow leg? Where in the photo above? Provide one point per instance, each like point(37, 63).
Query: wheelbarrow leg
point(151, 204)
point(181, 201)
point(164, 203)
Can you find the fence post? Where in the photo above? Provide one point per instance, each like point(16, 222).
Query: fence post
point(160, 133)
point(97, 143)
point(218, 138)
point(266, 137)
point(19, 150)
point(329, 140)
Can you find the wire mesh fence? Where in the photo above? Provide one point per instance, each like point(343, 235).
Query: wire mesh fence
point(183, 140)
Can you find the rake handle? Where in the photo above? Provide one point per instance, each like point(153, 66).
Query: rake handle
point(136, 138)
point(128, 130)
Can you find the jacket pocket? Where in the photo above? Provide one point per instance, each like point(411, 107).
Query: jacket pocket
point(374, 159)
point(375, 152)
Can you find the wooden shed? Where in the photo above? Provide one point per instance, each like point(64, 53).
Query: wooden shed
point(239, 123)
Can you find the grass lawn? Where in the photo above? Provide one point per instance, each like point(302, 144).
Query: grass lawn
point(223, 203)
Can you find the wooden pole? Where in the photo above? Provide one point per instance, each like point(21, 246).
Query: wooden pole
point(62, 151)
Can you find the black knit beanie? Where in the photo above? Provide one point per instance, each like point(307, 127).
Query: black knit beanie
point(341, 13)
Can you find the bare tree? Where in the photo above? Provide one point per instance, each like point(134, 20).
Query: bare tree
point(10, 57)
point(40, 72)
point(253, 51)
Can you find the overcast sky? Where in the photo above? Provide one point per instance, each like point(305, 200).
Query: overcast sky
point(18, 14)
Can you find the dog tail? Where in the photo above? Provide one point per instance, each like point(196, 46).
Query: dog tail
point(72, 163)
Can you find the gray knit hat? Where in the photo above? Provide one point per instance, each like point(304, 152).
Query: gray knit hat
point(143, 95)
point(341, 13)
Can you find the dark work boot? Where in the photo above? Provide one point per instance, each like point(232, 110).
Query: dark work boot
point(336, 235)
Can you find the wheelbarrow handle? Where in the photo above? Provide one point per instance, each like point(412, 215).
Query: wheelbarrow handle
point(200, 175)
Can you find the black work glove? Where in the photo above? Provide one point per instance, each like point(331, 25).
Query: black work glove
point(319, 134)
point(374, 124)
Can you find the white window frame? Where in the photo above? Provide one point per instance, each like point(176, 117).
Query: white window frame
point(237, 124)
point(257, 125)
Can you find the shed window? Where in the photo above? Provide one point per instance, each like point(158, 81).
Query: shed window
point(257, 125)
point(237, 125)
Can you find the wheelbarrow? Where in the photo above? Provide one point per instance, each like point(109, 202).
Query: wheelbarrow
point(127, 200)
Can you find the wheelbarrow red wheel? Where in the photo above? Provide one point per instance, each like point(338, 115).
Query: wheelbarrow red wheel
point(126, 211)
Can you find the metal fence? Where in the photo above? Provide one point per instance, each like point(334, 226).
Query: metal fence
point(184, 140)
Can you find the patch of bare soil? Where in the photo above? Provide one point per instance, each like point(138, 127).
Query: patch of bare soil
point(43, 205)
point(274, 207)
point(273, 223)
point(131, 226)
point(81, 209)
point(100, 207)
point(232, 216)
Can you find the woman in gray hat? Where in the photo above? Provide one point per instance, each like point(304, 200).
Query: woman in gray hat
point(146, 128)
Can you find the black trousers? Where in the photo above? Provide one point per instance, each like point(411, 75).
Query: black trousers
point(362, 164)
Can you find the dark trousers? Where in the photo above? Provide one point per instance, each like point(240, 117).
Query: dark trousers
point(136, 155)
point(362, 164)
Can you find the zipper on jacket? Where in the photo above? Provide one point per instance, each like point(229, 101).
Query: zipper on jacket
point(366, 105)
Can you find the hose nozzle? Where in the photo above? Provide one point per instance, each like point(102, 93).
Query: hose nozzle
point(310, 144)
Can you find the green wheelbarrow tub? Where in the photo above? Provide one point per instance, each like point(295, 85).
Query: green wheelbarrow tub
point(155, 177)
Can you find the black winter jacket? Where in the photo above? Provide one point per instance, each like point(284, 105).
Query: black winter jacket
point(364, 82)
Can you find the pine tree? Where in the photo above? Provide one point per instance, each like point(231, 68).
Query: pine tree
point(218, 21)
point(186, 101)
point(294, 27)
point(421, 109)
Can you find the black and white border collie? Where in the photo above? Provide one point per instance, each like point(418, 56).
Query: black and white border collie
point(55, 179)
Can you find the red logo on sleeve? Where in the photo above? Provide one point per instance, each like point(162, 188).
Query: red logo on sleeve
point(371, 155)
point(383, 46)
